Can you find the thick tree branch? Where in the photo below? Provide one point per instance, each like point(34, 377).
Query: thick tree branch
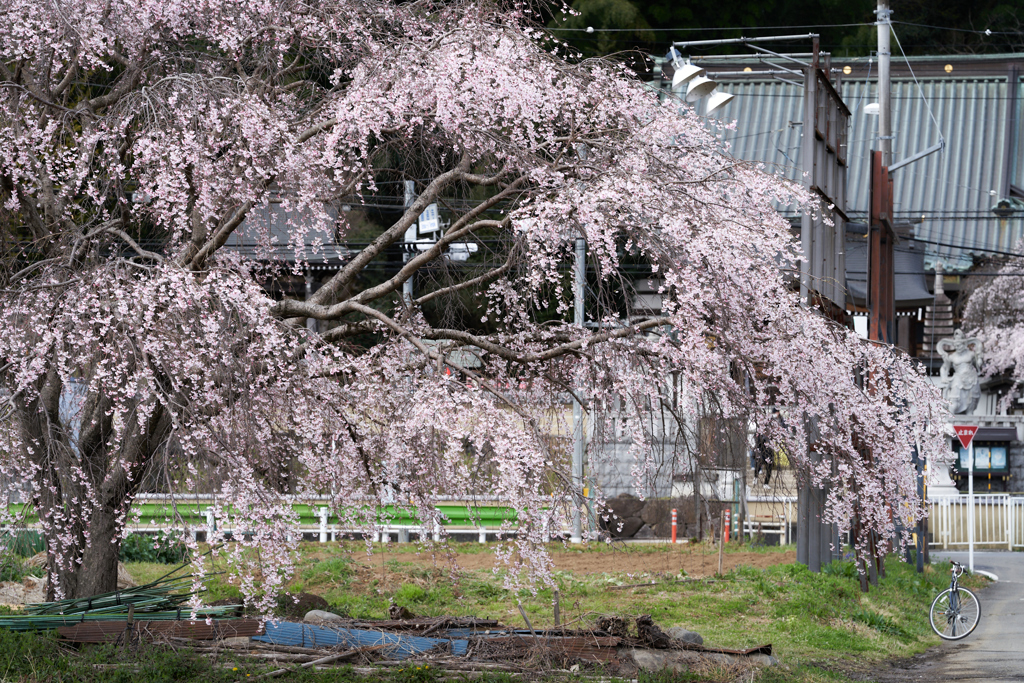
point(554, 352)
point(333, 287)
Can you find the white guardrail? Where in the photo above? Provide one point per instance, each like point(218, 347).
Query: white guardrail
point(998, 521)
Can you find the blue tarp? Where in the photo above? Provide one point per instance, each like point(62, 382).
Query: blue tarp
point(400, 646)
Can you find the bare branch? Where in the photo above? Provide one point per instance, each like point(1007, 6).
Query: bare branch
point(472, 282)
point(346, 275)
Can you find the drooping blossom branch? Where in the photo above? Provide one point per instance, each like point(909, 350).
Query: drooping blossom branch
point(147, 349)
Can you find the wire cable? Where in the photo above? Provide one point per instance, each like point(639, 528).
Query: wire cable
point(986, 32)
point(967, 247)
point(942, 140)
point(591, 29)
point(931, 272)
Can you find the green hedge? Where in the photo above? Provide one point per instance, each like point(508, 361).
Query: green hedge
point(161, 548)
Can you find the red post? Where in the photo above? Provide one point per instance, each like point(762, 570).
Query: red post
point(675, 519)
point(725, 527)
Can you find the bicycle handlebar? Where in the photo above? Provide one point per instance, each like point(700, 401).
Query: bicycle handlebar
point(958, 568)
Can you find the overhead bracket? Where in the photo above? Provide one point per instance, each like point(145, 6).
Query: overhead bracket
point(917, 157)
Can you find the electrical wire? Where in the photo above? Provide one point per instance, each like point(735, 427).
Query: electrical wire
point(704, 29)
point(591, 29)
point(986, 32)
point(967, 247)
point(942, 140)
point(931, 272)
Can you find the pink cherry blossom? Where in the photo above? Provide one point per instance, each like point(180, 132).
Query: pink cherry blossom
point(142, 137)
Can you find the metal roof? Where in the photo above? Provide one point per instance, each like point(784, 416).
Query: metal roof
point(267, 233)
point(953, 190)
point(910, 288)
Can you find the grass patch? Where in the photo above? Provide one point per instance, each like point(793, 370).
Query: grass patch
point(38, 658)
point(819, 624)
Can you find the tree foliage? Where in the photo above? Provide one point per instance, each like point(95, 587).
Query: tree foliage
point(140, 138)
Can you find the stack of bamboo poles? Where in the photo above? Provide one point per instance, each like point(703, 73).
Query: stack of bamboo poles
point(156, 601)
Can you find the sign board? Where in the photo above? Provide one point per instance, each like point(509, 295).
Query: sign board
point(824, 164)
point(966, 434)
point(429, 221)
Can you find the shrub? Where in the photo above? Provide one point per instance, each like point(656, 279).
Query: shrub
point(160, 548)
point(11, 567)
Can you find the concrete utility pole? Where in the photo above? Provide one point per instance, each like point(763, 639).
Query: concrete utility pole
point(311, 323)
point(410, 197)
point(884, 104)
point(580, 281)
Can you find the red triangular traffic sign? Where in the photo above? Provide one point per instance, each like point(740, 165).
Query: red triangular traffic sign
point(966, 434)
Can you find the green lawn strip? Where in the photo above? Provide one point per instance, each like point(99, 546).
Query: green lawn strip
point(819, 624)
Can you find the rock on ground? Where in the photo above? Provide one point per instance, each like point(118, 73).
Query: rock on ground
point(317, 616)
point(32, 589)
point(629, 525)
point(624, 505)
point(645, 532)
point(28, 590)
point(124, 579)
point(680, 633)
point(686, 660)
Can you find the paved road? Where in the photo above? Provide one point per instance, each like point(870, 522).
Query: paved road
point(995, 651)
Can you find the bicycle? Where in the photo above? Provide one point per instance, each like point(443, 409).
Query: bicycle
point(955, 612)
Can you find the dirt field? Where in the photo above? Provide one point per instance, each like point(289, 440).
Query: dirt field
point(628, 560)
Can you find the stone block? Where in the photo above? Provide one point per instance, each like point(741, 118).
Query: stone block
point(630, 526)
point(317, 616)
point(624, 505)
point(680, 633)
point(645, 532)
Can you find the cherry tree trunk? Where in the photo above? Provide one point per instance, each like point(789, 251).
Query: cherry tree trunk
point(84, 479)
point(97, 572)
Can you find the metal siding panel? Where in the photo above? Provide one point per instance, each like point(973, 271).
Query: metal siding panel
point(1017, 168)
point(956, 182)
point(399, 646)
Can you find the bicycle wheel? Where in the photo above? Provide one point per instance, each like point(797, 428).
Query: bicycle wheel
point(955, 616)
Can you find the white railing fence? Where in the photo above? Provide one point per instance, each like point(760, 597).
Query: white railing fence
point(998, 521)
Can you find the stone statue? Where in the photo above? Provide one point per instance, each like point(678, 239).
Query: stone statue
point(962, 355)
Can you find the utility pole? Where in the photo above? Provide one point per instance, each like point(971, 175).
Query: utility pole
point(410, 197)
point(579, 282)
point(881, 236)
point(311, 323)
point(884, 104)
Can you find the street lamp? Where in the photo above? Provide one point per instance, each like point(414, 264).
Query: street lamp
point(699, 87)
point(684, 73)
point(695, 79)
point(718, 100)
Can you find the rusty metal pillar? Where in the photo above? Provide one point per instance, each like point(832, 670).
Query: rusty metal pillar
point(881, 240)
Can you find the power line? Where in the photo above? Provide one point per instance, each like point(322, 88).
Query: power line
point(986, 32)
point(967, 247)
point(591, 29)
point(706, 29)
point(920, 90)
point(927, 272)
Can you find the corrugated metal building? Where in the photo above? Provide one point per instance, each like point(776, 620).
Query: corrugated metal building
point(975, 104)
point(962, 205)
